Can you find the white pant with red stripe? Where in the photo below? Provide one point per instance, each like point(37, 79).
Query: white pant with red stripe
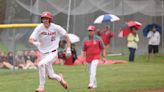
point(92, 72)
point(45, 67)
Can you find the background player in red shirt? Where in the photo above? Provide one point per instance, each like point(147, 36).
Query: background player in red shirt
point(92, 47)
point(106, 36)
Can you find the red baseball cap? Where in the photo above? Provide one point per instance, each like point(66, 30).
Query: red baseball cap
point(91, 28)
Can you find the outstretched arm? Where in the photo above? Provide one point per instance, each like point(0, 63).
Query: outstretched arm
point(68, 50)
point(33, 38)
point(68, 42)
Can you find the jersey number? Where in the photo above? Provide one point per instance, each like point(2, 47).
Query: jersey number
point(52, 38)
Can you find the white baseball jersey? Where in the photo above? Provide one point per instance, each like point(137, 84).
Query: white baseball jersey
point(48, 37)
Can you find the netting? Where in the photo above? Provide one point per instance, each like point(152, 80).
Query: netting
point(37, 6)
point(78, 7)
point(82, 13)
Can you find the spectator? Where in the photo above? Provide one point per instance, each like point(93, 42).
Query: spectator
point(20, 60)
point(106, 34)
point(27, 56)
point(10, 57)
point(29, 60)
point(70, 60)
point(4, 62)
point(154, 41)
point(33, 56)
point(133, 40)
point(61, 52)
point(74, 53)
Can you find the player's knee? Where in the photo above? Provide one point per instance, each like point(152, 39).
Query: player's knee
point(49, 77)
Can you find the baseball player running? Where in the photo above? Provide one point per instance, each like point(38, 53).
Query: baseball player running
point(92, 47)
point(46, 37)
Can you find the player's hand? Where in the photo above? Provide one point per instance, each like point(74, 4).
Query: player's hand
point(37, 44)
point(68, 52)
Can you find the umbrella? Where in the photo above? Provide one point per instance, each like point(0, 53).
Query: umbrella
point(125, 30)
point(149, 27)
point(73, 38)
point(107, 18)
point(134, 23)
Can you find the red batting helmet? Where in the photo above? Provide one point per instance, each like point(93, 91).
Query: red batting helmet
point(92, 28)
point(47, 15)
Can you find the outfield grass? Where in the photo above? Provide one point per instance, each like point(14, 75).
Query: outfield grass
point(129, 77)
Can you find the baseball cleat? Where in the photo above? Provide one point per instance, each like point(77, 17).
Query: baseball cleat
point(91, 86)
point(63, 82)
point(39, 90)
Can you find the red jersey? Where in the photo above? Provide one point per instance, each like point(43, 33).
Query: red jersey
point(92, 48)
point(106, 36)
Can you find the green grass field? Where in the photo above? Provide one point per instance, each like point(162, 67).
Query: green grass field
point(130, 77)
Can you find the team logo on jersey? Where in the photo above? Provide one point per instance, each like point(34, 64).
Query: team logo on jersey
point(48, 33)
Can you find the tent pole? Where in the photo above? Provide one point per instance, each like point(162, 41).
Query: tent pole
point(122, 40)
point(162, 26)
point(68, 16)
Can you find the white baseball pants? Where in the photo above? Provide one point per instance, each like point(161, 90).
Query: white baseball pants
point(92, 72)
point(45, 67)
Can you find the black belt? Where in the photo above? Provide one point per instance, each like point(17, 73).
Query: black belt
point(53, 50)
point(50, 51)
